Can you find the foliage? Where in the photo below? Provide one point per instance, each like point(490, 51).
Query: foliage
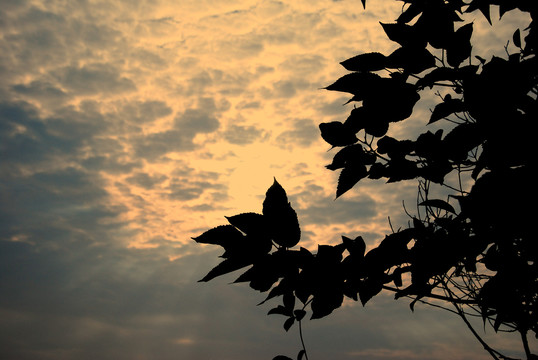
point(475, 249)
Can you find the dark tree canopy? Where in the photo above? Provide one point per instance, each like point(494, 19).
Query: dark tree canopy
point(476, 249)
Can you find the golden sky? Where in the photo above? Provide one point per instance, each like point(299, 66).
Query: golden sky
point(128, 127)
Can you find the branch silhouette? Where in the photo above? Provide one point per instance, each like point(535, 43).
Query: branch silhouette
point(475, 250)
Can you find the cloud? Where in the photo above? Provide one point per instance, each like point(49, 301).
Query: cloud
point(323, 210)
point(42, 90)
point(96, 78)
point(27, 138)
point(179, 138)
point(48, 208)
point(303, 133)
point(145, 180)
point(243, 135)
point(140, 112)
point(183, 189)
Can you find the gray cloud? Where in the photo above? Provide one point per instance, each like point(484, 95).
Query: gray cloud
point(27, 138)
point(324, 210)
point(183, 189)
point(145, 111)
point(94, 78)
point(303, 133)
point(42, 90)
point(145, 180)
point(242, 135)
point(187, 125)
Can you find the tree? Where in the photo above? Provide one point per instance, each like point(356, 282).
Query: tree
point(473, 251)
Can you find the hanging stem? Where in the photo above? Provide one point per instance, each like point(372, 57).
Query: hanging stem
point(302, 340)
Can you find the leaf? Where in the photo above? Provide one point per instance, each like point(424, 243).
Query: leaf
point(249, 223)
point(349, 176)
point(282, 221)
point(325, 303)
point(446, 108)
point(460, 47)
point(222, 235)
point(336, 134)
point(413, 60)
point(302, 353)
point(405, 35)
point(352, 154)
point(289, 323)
point(281, 357)
point(446, 74)
point(355, 247)
point(369, 288)
point(356, 83)
point(299, 314)
point(225, 267)
point(280, 310)
point(373, 61)
point(438, 203)
point(516, 38)
point(483, 6)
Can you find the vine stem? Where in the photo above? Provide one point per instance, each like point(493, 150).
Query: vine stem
point(302, 340)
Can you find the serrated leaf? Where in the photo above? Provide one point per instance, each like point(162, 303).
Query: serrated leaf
point(403, 34)
point(356, 83)
point(352, 154)
point(373, 61)
point(440, 204)
point(282, 221)
point(349, 176)
point(337, 134)
point(225, 267)
point(249, 223)
point(221, 235)
point(446, 108)
point(412, 60)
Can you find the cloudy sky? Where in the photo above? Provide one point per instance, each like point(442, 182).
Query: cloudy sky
point(128, 127)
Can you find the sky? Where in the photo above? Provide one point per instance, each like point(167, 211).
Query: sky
point(129, 127)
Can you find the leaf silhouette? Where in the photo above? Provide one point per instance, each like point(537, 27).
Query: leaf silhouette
point(225, 267)
point(249, 223)
point(282, 221)
point(446, 108)
point(349, 176)
point(356, 83)
point(337, 134)
point(460, 47)
point(516, 38)
point(405, 35)
point(411, 60)
point(365, 62)
point(226, 236)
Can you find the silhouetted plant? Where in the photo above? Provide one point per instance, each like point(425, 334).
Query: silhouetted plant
point(474, 250)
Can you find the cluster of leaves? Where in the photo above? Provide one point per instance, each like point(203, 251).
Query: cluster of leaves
point(478, 253)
